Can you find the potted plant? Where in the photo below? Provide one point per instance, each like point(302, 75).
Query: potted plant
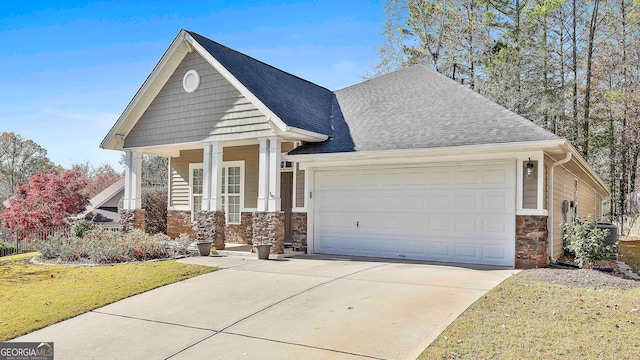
point(262, 250)
point(204, 247)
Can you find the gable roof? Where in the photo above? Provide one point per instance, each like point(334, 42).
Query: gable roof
point(105, 195)
point(292, 104)
point(299, 103)
point(415, 108)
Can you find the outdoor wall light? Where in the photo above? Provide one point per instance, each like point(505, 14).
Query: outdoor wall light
point(529, 169)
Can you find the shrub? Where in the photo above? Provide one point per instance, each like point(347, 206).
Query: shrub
point(81, 227)
point(586, 242)
point(181, 244)
point(154, 201)
point(103, 247)
point(58, 246)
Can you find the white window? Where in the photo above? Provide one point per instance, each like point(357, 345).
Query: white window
point(196, 190)
point(232, 191)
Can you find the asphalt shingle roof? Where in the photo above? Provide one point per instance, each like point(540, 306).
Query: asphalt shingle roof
point(412, 108)
point(297, 102)
point(418, 108)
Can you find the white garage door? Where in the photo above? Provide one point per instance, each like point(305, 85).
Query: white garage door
point(460, 214)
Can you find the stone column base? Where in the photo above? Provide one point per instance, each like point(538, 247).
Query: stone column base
point(299, 231)
point(210, 227)
point(131, 220)
point(179, 222)
point(531, 241)
point(269, 227)
point(240, 233)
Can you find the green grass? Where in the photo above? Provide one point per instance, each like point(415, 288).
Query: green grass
point(35, 296)
point(520, 319)
point(629, 253)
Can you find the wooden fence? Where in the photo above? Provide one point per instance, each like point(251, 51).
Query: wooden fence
point(22, 241)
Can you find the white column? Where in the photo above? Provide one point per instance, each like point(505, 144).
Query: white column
point(541, 169)
point(263, 175)
point(132, 180)
point(127, 180)
point(212, 177)
point(216, 177)
point(274, 174)
point(206, 177)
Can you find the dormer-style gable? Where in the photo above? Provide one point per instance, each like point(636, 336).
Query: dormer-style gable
point(201, 91)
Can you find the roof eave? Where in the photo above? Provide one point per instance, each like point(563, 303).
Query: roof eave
point(457, 150)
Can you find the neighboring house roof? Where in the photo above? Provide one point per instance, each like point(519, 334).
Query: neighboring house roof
point(297, 102)
point(104, 196)
point(419, 108)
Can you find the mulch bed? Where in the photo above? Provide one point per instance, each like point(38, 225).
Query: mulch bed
point(565, 274)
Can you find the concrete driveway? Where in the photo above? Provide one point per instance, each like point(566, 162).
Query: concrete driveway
point(302, 308)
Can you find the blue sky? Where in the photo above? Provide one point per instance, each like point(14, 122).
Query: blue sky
point(71, 67)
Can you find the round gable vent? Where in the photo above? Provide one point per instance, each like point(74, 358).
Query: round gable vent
point(191, 81)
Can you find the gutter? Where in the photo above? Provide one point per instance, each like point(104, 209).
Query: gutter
point(550, 204)
point(432, 151)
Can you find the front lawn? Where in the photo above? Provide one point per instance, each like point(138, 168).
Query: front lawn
point(523, 319)
point(35, 296)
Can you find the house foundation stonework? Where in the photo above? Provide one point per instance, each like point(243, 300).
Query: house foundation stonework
point(531, 241)
point(179, 222)
point(240, 233)
point(210, 226)
point(268, 227)
point(131, 220)
point(299, 231)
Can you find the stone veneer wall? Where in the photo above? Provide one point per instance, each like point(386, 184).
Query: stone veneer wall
point(531, 241)
point(179, 222)
point(210, 225)
point(299, 231)
point(269, 227)
point(131, 219)
point(240, 233)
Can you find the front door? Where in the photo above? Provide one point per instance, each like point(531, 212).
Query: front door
point(286, 190)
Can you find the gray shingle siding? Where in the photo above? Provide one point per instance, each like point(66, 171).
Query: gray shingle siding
point(297, 102)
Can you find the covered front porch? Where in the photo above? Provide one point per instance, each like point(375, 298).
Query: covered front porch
point(226, 193)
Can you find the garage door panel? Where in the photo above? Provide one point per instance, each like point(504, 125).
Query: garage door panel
point(441, 250)
point(493, 252)
point(467, 200)
point(392, 202)
point(466, 226)
point(440, 202)
point(466, 251)
point(439, 177)
point(441, 214)
point(466, 177)
point(440, 225)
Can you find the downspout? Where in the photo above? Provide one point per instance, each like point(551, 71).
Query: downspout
point(550, 205)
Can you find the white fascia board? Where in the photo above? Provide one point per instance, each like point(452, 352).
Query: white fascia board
point(306, 135)
point(154, 77)
point(271, 116)
point(411, 155)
